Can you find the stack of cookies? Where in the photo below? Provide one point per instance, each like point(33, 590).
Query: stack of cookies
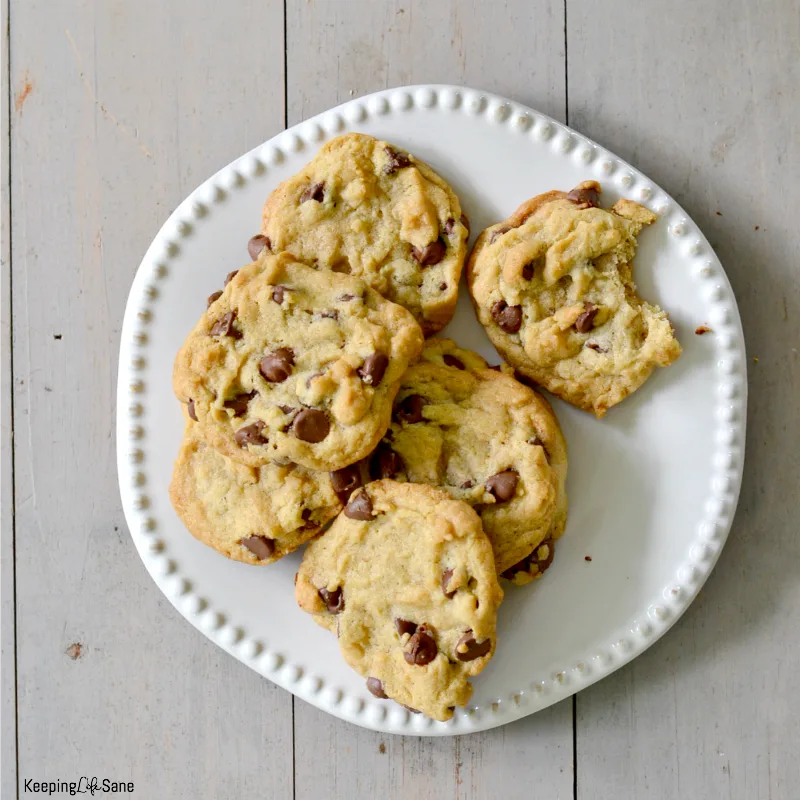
point(420, 476)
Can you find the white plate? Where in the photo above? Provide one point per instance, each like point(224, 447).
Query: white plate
point(652, 487)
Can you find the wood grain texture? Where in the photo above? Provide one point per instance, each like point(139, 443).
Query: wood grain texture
point(130, 106)
point(8, 702)
point(336, 50)
point(531, 757)
point(705, 98)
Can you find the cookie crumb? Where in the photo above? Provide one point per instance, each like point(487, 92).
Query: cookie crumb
point(57, 336)
point(718, 213)
point(587, 558)
point(74, 650)
point(701, 329)
point(755, 358)
point(381, 748)
point(756, 227)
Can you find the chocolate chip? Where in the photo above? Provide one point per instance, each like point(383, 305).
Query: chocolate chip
point(259, 546)
point(534, 560)
point(431, 254)
point(467, 485)
point(584, 196)
point(345, 480)
point(503, 484)
point(499, 232)
point(315, 191)
point(359, 507)
point(421, 648)
point(385, 463)
point(330, 314)
point(333, 600)
point(446, 575)
point(509, 318)
point(527, 271)
point(250, 434)
point(239, 403)
point(376, 687)
point(276, 367)
point(465, 222)
point(452, 361)
point(311, 425)
point(278, 293)
point(596, 347)
point(212, 298)
point(190, 410)
point(224, 326)
point(585, 321)
point(374, 368)
point(468, 649)
point(442, 286)
point(410, 409)
point(346, 298)
point(256, 244)
point(543, 562)
point(397, 161)
point(449, 224)
point(286, 409)
point(405, 626)
point(230, 276)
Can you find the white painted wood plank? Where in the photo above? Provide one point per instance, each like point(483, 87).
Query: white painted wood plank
point(341, 49)
point(132, 105)
point(338, 49)
point(8, 710)
point(528, 758)
point(705, 98)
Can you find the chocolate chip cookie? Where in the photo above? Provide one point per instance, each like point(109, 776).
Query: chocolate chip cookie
point(405, 576)
point(293, 364)
point(368, 208)
point(251, 514)
point(489, 441)
point(553, 286)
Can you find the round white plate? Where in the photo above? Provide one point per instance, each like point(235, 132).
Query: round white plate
point(652, 487)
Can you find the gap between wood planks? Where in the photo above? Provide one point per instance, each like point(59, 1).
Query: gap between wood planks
point(10, 399)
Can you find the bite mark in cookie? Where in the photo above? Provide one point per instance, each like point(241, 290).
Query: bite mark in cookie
point(553, 287)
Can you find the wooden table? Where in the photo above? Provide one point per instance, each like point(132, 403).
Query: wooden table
point(115, 110)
